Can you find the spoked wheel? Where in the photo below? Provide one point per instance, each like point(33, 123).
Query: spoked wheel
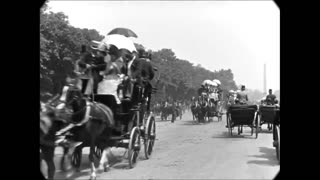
point(150, 136)
point(134, 147)
point(173, 118)
point(229, 124)
point(252, 127)
point(220, 117)
point(277, 141)
point(98, 152)
point(76, 157)
point(257, 126)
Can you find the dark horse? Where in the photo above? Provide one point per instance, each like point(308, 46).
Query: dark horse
point(50, 123)
point(91, 124)
point(178, 110)
point(168, 109)
point(195, 108)
point(204, 108)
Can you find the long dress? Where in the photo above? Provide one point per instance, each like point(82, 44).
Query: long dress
point(111, 81)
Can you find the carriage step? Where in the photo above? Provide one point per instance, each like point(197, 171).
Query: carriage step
point(122, 114)
point(116, 137)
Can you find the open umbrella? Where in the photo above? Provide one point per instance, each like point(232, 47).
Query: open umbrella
point(123, 31)
point(206, 82)
point(120, 41)
point(213, 83)
point(217, 81)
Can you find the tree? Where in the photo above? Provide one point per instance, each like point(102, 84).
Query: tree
point(58, 39)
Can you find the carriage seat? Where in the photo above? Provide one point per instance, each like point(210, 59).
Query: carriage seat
point(239, 106)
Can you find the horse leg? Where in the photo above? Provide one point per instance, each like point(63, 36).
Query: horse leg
point(93, 175)
point(62, 165)
point(48, 154)
point(104, 161)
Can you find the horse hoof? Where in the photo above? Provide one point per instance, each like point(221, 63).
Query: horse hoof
point(107, 168)
point(93, 177)
point(69, 174)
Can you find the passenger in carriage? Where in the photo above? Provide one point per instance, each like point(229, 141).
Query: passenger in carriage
point(219, 90)
point(142, 71)
point(203, 89)
point(97, 63)
point(81, 70)
point(231, 97)
point(242, 97)
point(271, 98)
point(113, 74)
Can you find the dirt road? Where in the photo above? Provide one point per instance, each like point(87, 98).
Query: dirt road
point(185, 150)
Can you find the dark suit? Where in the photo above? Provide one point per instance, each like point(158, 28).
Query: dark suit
point(242, 97)
point(271, 99)
point(99, 64)
point(141, 70)
point(201, 90)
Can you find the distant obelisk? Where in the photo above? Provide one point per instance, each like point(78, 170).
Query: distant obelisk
point(264, 79)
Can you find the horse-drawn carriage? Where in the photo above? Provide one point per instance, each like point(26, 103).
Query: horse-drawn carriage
point(99, 122)
point(215, 110)
point(243, 115)
point(170, 109)
point(207, 108)
point(267, 115)
point(271, 114)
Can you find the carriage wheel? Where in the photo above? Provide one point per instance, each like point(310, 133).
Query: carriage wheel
point(173, 118)
point(229, 124)
point(76, 158)
point(252, 127)
point(98, 152)
point(257, 126)
point(150, 137)
point(277, 128)
point(134, 147)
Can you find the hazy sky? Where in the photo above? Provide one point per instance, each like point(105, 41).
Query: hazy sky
point(236, 35)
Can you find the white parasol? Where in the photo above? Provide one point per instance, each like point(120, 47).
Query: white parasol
point(120, 41)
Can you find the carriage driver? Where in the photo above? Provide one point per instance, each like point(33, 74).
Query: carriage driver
point(242, 96)
point(271, 98)
point(204, 87)
point(96, 62)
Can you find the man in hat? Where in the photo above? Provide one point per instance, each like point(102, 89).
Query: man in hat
point(204, 88)
point(242, 96)
point(142, 71)
point(94, 61)
point(271, 98)
point(81, 68)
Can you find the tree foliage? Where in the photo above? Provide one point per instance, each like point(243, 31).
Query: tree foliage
point(179, 79)
point(58, 39)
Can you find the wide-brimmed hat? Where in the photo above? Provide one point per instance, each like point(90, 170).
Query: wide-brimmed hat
point(99, 46)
